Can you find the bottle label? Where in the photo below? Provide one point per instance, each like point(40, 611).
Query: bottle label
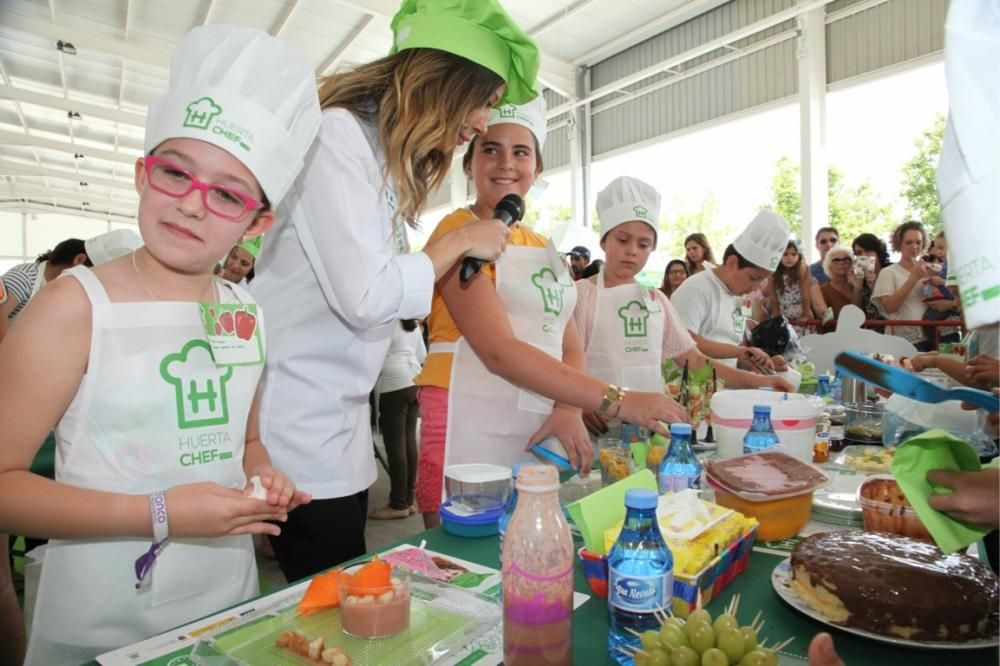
point(640, 594)
point(673, 483)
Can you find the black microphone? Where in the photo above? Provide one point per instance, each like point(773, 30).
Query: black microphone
point(509, 210)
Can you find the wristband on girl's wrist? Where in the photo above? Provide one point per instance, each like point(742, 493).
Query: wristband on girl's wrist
point(161, 532)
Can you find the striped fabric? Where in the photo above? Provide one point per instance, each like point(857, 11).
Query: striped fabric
point(19, 282)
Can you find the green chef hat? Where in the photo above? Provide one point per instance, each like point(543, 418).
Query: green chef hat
point(478, 30)
point(252, 245)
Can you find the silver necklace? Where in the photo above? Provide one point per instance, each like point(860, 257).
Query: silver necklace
point(142, 279)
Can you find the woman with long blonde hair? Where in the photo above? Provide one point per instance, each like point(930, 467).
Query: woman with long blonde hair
point(337, 273)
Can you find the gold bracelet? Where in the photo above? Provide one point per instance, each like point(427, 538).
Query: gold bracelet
point(618, 402)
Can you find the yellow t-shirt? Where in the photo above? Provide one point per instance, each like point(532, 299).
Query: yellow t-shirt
point(440, 326)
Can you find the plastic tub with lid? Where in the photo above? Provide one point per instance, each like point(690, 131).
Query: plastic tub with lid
point(477, 487)
point(793, 417)
point(773, 486)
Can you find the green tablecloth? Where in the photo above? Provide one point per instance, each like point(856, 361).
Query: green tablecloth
point(590, 621)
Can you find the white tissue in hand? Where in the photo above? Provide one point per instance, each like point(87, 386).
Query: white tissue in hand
point(259, 491)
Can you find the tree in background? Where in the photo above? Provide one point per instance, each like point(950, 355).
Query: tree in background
point(919, 185)
point(853, 210)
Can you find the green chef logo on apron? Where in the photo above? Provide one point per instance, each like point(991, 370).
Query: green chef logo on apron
point(634, 315)
point(552, 292)
point(740, 314)
point(200, 113)
point(199, 385)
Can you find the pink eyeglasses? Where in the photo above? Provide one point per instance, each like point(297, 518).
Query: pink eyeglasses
point(175, 181)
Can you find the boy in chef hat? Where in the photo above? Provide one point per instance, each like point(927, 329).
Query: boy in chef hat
point(154, 403)
point(628, 330)
point(714, 305)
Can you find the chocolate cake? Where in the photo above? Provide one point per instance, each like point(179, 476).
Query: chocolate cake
point(895, 586)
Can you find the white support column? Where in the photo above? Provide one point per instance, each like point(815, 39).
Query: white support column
point(812, 105)
point(580, 152)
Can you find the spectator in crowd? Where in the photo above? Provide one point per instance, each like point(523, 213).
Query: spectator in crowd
point(713, 304)
point(593, 268)
point(673, 276)
point(579, 259)
point(877, 257)
point(842, 288)
point(897, 289)
point(398, 412)
point(24, 280)
point(787, 291)
point(699, 253)
point(826, 238)
point(942, 303)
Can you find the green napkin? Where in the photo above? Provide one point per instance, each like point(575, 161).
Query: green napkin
point(599, 511)
point(936, 449)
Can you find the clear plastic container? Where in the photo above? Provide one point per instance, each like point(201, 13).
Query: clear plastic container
point(477, 487)
point(884, 508)
point(375, 612)
point(863, 423)
point(772, 486)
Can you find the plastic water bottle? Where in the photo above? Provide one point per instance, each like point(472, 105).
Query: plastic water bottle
point(761, 434)
point(509, 506)
point(640, 574)
point(538, 574)
point(823, 388)
point(837, 388)
point(680, 468)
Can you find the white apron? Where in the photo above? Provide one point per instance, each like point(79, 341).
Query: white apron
point(490, 419)
point(152, 412)
point(626, 340)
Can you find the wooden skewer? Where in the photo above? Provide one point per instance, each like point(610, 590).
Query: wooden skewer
point(633, 632)
point(634, 651)
point(782, 645)
point(665, 612)
point(762, 623)
point(753, 625)
point(736, 603)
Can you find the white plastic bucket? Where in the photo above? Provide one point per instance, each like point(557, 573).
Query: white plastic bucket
point(793, 417)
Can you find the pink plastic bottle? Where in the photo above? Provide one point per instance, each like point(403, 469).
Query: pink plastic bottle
point(537, 575)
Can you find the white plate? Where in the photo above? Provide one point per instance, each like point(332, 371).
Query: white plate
point(781, 577)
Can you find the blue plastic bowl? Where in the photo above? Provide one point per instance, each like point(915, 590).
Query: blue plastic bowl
point(483, 524)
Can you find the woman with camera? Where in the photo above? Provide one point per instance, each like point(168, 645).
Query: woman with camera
point(843, 288)
point(896, 290)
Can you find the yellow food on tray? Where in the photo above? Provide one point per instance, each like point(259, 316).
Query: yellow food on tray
point(694, 553)
point(875, 459)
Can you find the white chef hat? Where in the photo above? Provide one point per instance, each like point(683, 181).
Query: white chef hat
point(626, 199)
point(246, 92)
point(530, 115)
point(113, 244)
point(764, 240)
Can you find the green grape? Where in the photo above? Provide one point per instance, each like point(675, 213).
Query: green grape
point(690, 625)
point(676, 621)
point(731, 642)
point(702, 637)
point(770, 658)
point(754, 658)
point(725, 621)
point(749, 638)
point(650, 640)
point(672, 635)
point(684, 656)
point(641, 660)
point(714, 657)
point(658, 657)
point(700, 615)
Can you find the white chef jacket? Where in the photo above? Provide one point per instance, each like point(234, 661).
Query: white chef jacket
point(334, 277)
point(403, 361)
point(708, 308)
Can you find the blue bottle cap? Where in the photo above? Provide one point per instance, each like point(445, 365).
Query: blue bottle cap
point(823, 379)
point(640, 498)
point(762, 409)
point(681, 429)
point(516, 467)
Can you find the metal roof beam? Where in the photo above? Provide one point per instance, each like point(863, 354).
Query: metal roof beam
point(7, 138)
point(85, 109)
point(551, 21)
point(330, 64)
point(16, 169)
point(698, 51)
point(36, 192)
point(84, 41)
point(46, 208)
point(285, 17)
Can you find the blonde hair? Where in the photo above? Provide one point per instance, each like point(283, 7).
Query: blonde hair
point(418, 99)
